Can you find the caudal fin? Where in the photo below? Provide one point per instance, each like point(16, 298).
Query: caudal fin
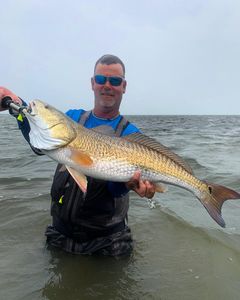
point(215, 199)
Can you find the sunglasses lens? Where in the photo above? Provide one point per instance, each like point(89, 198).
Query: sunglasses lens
point(100, 79)
point(115, 81)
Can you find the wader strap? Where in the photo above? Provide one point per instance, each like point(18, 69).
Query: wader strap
point(123, 123)
point(84, 117)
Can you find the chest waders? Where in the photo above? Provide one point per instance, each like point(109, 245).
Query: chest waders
point(99, 214)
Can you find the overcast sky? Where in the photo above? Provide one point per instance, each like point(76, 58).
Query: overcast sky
point(181, 56)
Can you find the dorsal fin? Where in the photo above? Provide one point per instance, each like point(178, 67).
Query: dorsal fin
point(151, 143)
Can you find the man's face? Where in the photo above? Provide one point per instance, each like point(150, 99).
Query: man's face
point(108, 97)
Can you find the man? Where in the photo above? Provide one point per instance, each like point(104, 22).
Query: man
point(96, 223)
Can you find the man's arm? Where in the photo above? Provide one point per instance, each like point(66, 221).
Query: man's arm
point(4, 92)
point(143, 188)
point(22, 122)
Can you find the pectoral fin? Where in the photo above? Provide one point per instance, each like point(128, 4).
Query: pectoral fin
point(81, 158)
point(80, 179)
point(160, 188)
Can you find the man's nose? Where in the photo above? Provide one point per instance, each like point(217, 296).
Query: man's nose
point(107, 85)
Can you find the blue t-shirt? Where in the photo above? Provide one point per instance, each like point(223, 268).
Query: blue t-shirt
point(94, 121)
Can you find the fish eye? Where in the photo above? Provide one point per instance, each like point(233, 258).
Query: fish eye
point(46, 106)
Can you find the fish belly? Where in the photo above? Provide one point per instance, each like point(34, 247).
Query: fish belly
point(118, 170)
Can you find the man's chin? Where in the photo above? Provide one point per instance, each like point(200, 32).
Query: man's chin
point(107, 102)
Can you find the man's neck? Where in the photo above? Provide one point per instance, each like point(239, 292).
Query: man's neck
point(105, 114)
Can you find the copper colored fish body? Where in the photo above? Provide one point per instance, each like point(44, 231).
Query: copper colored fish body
point(89, 152)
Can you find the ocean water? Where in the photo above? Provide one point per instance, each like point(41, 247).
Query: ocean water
point(179, 253)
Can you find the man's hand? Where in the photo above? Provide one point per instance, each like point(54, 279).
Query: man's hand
point(5, 92)
point(142, 188)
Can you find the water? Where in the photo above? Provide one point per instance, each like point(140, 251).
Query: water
point(180, 252)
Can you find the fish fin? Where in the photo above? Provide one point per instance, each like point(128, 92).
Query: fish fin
point(104, 129)
point(81, 158)
point(80, 179)
point(151, 143)
point(160, 188)
point(213, 202)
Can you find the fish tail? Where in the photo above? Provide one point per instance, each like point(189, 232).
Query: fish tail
point(214, 199)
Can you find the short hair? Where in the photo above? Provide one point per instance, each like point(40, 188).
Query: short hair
point(109, 59)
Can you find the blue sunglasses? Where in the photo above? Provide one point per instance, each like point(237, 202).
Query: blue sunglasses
point(113, 80)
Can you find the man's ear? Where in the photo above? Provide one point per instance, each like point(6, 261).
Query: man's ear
point(92, 82)
point(124, 86)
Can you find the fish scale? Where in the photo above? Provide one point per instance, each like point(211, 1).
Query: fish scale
point(152, 161)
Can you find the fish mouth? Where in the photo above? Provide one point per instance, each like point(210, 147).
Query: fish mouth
point(32, 108)
point(32, 112)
